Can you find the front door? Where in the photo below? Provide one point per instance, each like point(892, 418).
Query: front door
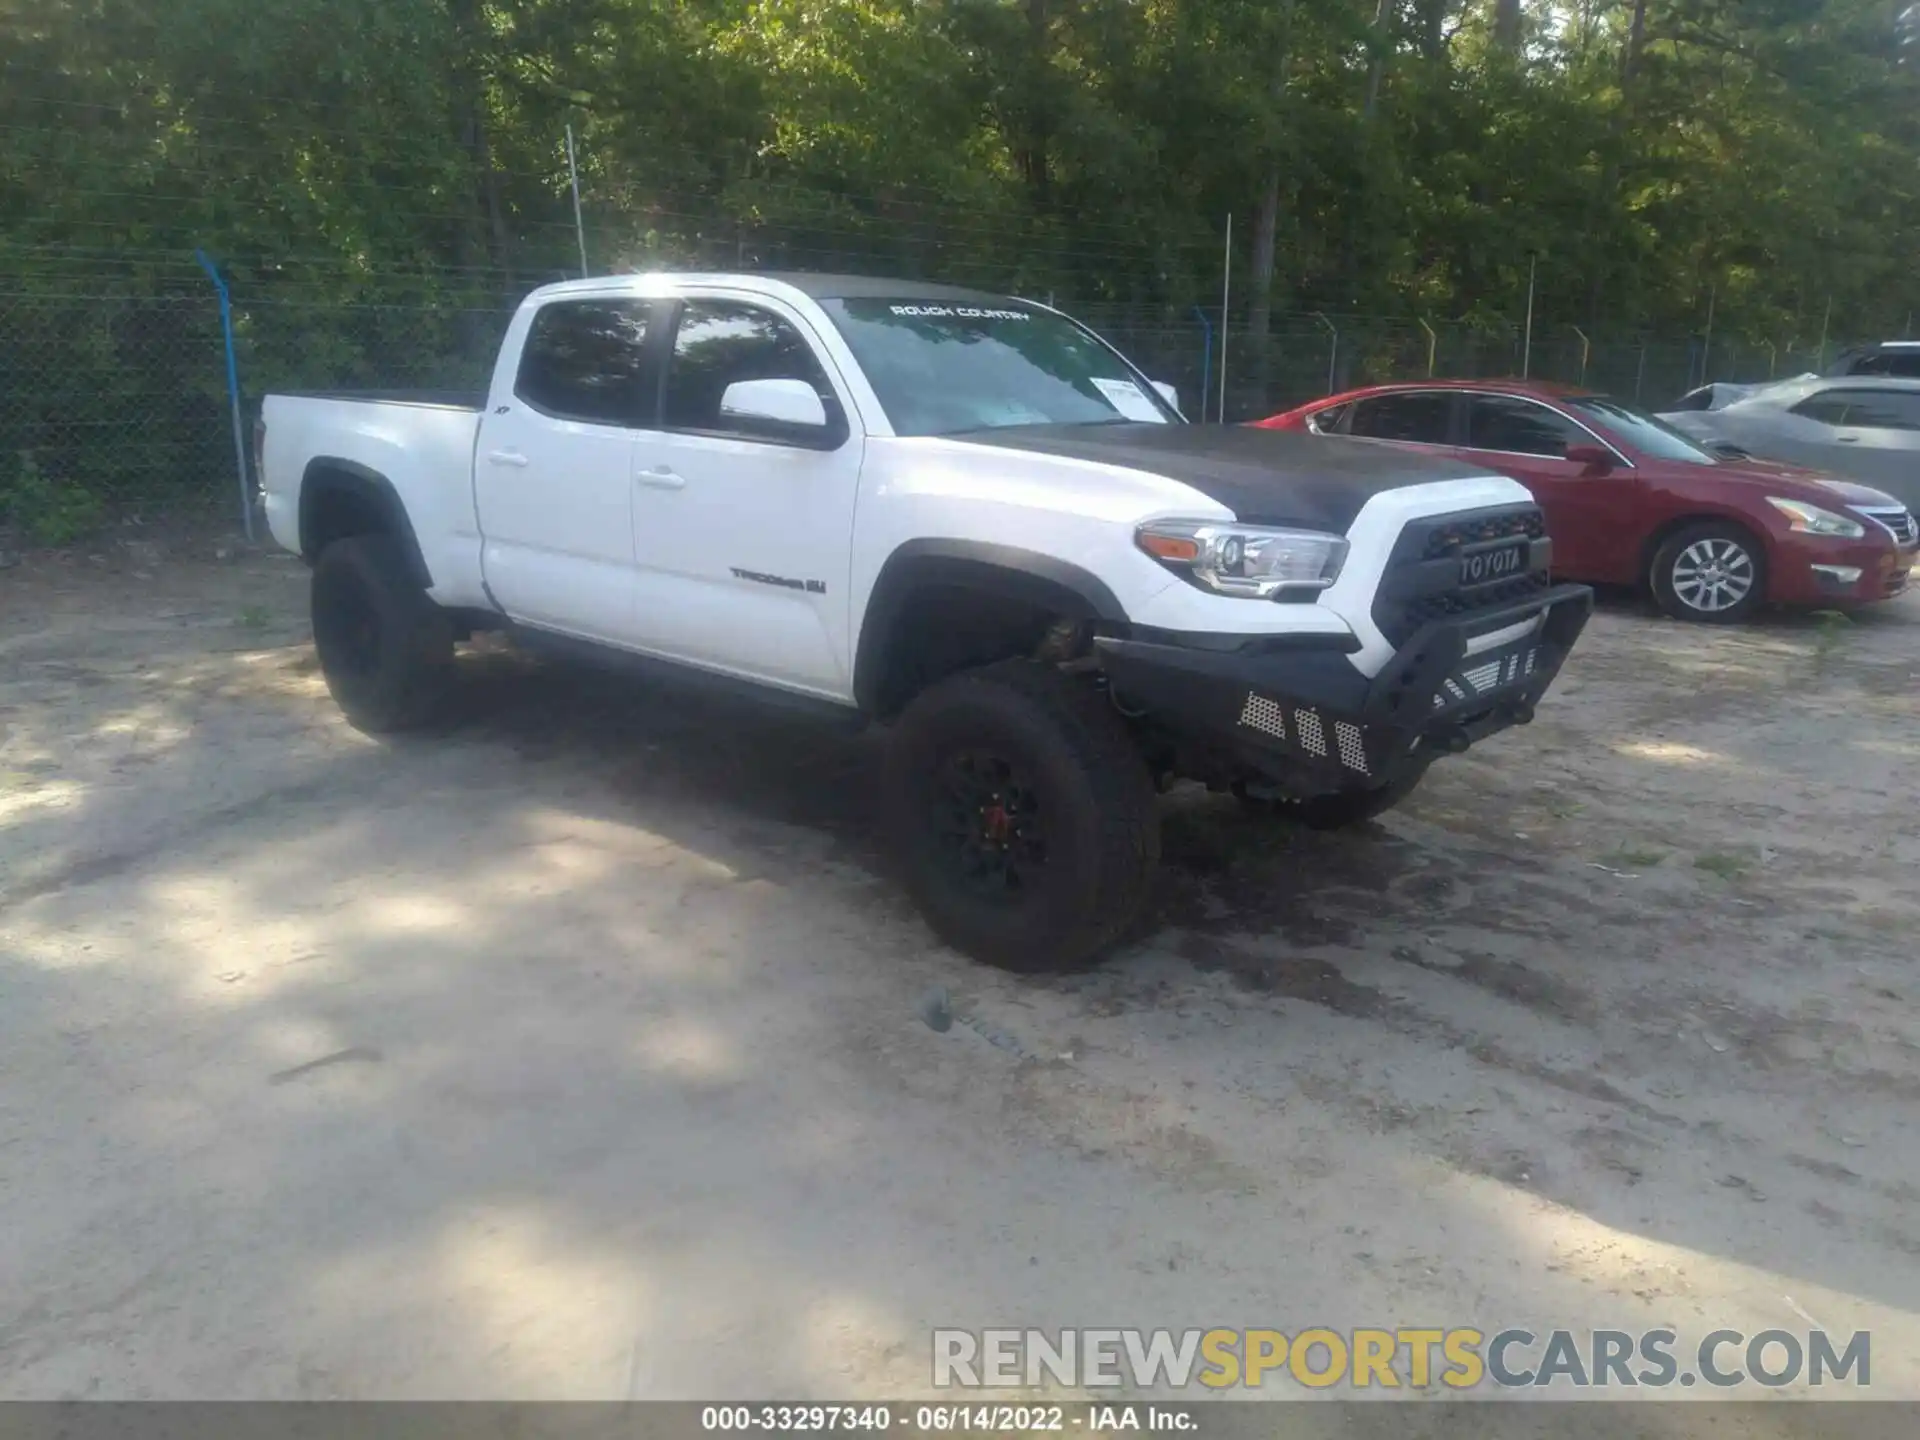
point(743, 538)
point(553, 470)
point(1586, 514)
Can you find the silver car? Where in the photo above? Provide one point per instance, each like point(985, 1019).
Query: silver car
point(1865, 427)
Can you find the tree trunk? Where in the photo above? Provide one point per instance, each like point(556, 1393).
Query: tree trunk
point(1432, 15)
point(1617, 132)
point(1377, 62)
point(1636, 46)
point(1506, 25)
point(1266, 224)
point(1035, 163)
point(467, 85)
point(1266, 229)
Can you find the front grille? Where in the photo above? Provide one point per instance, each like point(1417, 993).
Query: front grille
point(1452, 532)
point(1481, 597)
point(1897, 522)
point(1408, 596)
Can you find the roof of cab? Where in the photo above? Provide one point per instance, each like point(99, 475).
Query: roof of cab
point(816, 286)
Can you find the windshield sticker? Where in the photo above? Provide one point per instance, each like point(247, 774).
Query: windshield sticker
point(957, 312)
point(1126, 397)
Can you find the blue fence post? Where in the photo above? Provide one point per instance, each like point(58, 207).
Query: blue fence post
point(233, 388)
point(1206, 359)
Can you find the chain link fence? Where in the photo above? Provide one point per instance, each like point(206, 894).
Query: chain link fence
point(113, 387)
point(109, 397)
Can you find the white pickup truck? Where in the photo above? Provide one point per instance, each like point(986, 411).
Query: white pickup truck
point(962, 515)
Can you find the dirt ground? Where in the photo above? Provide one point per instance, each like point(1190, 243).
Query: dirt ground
point(576, 1052)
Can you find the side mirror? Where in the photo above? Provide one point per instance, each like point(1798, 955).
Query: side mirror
point(1168, 394)
point(1592, 459)
point(790, 407)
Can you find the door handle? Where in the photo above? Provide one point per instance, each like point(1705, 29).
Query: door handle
point(508, 457)
point(1848, 439)
point(662, 477)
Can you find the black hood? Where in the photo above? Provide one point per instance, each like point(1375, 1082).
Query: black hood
point(1266, 477)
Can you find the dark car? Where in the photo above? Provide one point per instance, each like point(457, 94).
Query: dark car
point(1631, 501)
point(1898, 358)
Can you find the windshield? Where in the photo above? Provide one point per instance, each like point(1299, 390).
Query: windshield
point(1641, 430)
point(939, 368)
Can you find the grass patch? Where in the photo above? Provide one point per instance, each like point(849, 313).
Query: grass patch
point(251, 617)
point(1633, 857)
point(1829, 637)
point(44, 510)
point(1727, 867)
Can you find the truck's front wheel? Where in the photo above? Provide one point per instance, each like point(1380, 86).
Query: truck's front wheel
point(385, 649)
point(1022, 815)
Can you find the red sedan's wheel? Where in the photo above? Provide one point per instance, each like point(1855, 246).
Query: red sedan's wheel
point(1714, 573)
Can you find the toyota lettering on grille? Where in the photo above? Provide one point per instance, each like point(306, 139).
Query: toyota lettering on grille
point(1480, 566)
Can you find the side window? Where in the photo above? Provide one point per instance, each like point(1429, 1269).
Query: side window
point(1827, 406)
point(720, 342)
point(1420, 416)
point(1882, 409)
point(1519, 427)
point(1904, 363)
point(1327, 421)
point(583, 360)
point(1866, 409)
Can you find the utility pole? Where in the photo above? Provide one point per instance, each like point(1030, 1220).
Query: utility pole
point(1526, 345)
point(1226, 315)
point(573, 177)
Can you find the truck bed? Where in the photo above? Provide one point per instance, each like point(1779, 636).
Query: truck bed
point(418, 442)
point(475, 400)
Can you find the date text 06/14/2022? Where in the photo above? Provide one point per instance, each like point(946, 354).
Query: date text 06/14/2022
point(949, 1418)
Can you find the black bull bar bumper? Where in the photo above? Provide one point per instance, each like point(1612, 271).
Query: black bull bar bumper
point(1296, 709)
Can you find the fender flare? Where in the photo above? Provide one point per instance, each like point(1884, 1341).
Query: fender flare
point(1027, 575)
point(330, 475)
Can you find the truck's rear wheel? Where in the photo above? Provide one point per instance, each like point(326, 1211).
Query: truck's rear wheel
point(1022, 815)
point(385, 649)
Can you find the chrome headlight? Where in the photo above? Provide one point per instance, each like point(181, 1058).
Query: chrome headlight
point(1812, 520)
point(1255, 562)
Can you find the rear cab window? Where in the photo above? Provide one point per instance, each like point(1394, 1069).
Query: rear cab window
point(589, 360)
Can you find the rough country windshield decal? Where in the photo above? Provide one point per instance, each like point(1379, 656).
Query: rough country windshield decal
point(942, 367)
point(962, 312)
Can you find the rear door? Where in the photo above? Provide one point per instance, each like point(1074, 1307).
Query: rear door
point(1589, 517)
point(1418, 419)
point(743, 539)
point(553, 468)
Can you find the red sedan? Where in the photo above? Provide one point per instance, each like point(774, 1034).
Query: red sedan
point(1629, 501)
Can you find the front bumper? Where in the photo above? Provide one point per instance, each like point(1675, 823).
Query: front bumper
point(1305, 718)
point(1814, 574)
